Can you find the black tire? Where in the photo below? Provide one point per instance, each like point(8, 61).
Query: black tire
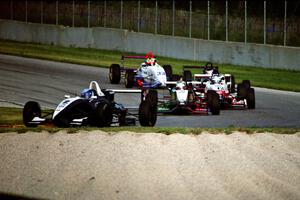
point(251, 98)
point(187, 75)
point(151, 96)
point(176, 77)
point(147, 114)
point(114, 74)
point(246, 83)
point(31, 109)
point(169, 72)
point(213, 102)
point(242, 91)
point(232, 86)
point(129, 79)
point(103, 115)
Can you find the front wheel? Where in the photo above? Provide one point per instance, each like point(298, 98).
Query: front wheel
point(213, 102)
point(31, 110)
point(147, 114)
point(129, 79)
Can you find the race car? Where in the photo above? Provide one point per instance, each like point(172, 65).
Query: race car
point(94, 107)
point(149, 75)
point(242, 96)
point(188, 97)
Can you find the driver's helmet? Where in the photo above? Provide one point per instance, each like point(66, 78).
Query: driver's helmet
point(150, 59)
point(86, 93)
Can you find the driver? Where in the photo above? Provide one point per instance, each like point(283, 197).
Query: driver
point(149, 62)
point(87, 93)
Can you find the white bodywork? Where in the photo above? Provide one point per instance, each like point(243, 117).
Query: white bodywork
point(152, 74)
point(63, 105)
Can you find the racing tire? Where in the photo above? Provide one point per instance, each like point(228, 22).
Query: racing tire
point(147, 114)
point(129, 79)
point(187, 75)
point(246, 83)
point(115, 74)
point(169, 72)
point(150, 95)
point(251, 98)
point(31, 110)
point(103, 115)
point(232, 86)
point(213, 102)
point(242, 91)
point(176, 77)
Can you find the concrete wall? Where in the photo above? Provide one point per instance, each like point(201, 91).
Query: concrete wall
point(269, 56)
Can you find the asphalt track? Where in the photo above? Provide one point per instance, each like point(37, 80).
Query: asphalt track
point(24, 79)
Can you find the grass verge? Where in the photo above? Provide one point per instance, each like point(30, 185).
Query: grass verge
point(260, 77)
point(11, 121)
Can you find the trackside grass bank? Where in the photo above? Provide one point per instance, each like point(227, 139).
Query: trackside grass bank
point(260, 77)
point(11, 121)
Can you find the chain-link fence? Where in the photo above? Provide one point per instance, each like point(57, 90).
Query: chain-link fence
point(266, 22)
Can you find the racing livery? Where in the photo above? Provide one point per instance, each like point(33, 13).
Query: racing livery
point(242, 96)
point(149, 75)
point(94, 107)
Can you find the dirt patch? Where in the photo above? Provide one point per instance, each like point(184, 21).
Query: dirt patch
point(125, 165)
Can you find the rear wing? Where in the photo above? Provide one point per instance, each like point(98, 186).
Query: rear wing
point(140, 57)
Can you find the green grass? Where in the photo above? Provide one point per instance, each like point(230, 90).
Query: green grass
point(11, 121)
point(260, 77)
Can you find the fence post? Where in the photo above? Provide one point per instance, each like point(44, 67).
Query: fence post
point(42, 12)
point(73, 14)
point(156, 17)
point(89, 7)
point(208, 31)
point(190, 24)
point(265, 23)
point(104, 23)
point(26, 12)
point(56, 13)
point(139, 13)
point(284, 31)
point(226, 19)
point(173, 26)
point(121, 15)
point(11, 10)
point(245, 22)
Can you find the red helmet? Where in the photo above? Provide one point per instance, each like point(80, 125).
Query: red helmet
point(150, 59)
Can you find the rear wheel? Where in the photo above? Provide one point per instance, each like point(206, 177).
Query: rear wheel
point(246, 83)
point(31, 110)
point(242, 91)
point(103, 115)
point(169, 72)
point(129, 79)
point(114, 74)
point(251, 98)
point(187, 75)
point(213, 102)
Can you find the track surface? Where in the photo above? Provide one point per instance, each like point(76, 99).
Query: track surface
point(24, 79)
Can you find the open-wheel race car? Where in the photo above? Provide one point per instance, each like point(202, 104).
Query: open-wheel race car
point(94, 107)
point(242, 96)
point(186, 97)
point(149, 75)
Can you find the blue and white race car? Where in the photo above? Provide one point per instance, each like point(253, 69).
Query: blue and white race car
point(149, 75)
